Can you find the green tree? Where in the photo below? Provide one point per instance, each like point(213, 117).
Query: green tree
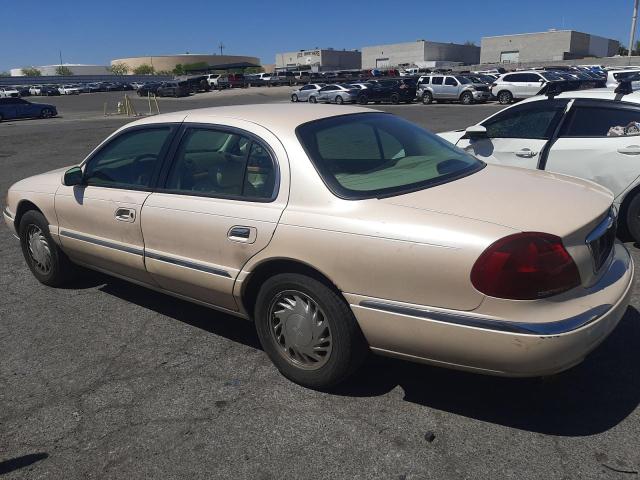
point(119, 68)
point(178, 70)
point(31, 72)
point(63, 70)
point(622, 50)
point(144, 69)
point(470, 43)
point(5, 74)
point(189, 67)
point(254, 70)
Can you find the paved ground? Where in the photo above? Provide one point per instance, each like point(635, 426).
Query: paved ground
point(108, 380)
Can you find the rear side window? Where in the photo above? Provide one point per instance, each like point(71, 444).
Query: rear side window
point(532, 120)
point(516, 77)
point(436, 81)
point(221, 164)
point(129, 160)
point(593, 121)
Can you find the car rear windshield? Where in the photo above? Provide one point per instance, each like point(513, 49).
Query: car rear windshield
point(373, 155)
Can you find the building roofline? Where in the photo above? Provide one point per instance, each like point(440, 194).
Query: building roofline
point(547, 31)
point(420, 41)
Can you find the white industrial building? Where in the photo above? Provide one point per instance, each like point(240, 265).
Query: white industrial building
point(76, 69)
point(319, 59)
point(421, 53)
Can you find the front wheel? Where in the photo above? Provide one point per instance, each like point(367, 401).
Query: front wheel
point(46, 261)
point(294, 98)
point(46, 113)
point(313, 99)
point(308, 331)
point(395, 98)
point(362, 100)
point(466, 98)
point(505, 97)
point(339, 100)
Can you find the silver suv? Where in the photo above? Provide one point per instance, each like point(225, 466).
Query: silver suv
point(451, 87)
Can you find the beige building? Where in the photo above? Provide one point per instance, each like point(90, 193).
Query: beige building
point(319, 59)
point(169, 62)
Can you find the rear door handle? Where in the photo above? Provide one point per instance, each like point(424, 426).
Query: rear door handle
point(125, 215)
point(630, 150)
point(526, 153)
point(242, 234)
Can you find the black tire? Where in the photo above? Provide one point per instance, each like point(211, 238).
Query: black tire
point(427, 98)
point(505, 97)
point(348, 346)
point(294, 98)
point(313, 99)
point(339, 100)
point(46, 113)
point(394, 98)
point(632, 217)
point(61, 269)
point(466, 98)
point(1, 117)
point(363, 100)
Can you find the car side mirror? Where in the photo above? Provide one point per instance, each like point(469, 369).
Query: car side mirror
point(475, 131)
point(73, 176)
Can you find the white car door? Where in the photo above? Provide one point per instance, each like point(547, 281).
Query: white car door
point(517, 135)
point(599, 141)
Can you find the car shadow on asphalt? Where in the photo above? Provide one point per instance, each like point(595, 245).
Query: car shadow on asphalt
point(590, 398)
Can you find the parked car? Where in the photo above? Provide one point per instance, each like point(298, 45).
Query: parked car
point(83, 87)
point(451, 87)
point(49, 90)
point(173, 89)
point(336, 93)
point(149, 88)
point(237, 80)
point(519, 85)
point(13, 107)
point(282, 78)
point(95, 87)
point(614, 77)
point(68, 90)
point(258, 79)
point(379, 236)
point(8, 92)
point(394, 91)
point(35, 89)
point(303, 93)
point(136, 85)
point(218, 81)
point(23, 90)
point(597, 138)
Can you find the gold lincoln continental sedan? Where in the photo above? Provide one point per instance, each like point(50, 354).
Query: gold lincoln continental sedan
point(339, 232)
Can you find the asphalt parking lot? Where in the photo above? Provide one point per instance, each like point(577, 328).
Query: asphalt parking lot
point(109, 380)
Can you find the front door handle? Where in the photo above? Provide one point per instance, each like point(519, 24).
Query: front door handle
point(241, 233)
point(125, 215)
point(526, 153)
point(630, 150)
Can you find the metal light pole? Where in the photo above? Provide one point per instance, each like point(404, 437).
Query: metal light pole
point(633, 25)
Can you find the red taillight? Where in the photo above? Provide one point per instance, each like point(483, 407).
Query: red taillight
point(525, 266)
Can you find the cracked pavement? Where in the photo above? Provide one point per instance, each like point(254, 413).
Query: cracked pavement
point(105, 379)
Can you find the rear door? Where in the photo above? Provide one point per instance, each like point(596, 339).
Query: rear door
point(219, 204)
point(599, 141)
point(437, 86)
point(517, 135)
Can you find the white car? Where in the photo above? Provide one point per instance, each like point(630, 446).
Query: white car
point(218, 81)
point(69, 90)
point(591, 134)
point(8, 92)
point(516, 85)
point(615, 76)
point(35, 90)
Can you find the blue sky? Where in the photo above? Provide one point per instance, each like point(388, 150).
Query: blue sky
point(96, 32)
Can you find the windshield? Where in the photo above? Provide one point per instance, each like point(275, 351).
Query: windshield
point(463, 80)
point(551, 76)
point(376, 154)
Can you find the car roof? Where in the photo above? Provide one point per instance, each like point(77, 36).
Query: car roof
point(594, 93)
point(281, 119)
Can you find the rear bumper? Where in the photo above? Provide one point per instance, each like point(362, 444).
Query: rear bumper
point(499, 346)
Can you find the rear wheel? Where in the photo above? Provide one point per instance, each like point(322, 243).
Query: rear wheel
point(339, 100)
point(505, 97)
point(395, 98)
point(294, 98)
point(308, 331)
point(46, 261)
point(362, 100)
point(313, 99)
point(632, 217)
point(466, 98)
point(427, 98)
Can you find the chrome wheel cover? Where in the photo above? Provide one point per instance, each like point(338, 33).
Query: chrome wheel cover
point(300, 330)
point(38, 249)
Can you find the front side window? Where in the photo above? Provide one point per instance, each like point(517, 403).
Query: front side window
point(450, 81)
point(220, 163)
point(129, 160)
point(532, 120)
point(594, 121)
point(375, 154)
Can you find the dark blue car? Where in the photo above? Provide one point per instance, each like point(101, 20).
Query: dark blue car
point(19, 108)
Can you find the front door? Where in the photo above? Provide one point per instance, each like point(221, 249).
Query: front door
point(219, 206)
point(516, 136)
point(450, 88)
point(99, 222)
